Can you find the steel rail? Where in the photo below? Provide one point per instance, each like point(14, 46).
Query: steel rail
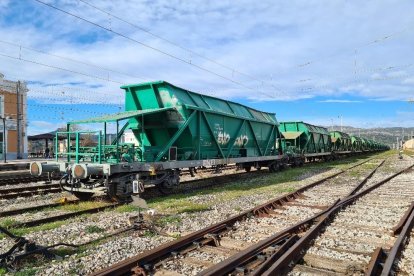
point(34, 208)
point(397, 248)
point(215, 181)
point(375, 263)
point(18, 179)
point(147, 259)
point(284, 264)
point(239, 260)
point(64, 216)
point(28, 188)
point(38, 190)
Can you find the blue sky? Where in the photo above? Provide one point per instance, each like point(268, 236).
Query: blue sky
point(313, 61)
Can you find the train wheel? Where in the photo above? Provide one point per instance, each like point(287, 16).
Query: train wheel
point(168, 186)
point(296, 163)
point(274, 167)
point(165, 189)
point(248, 168)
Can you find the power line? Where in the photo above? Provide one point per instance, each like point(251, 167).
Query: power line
point(70, 59)
point(60, 68)
point(147, 46)
point(231, 69)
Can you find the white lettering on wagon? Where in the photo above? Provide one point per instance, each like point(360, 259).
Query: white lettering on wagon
point(241, 140)
point(223, 138)
point(209, 162)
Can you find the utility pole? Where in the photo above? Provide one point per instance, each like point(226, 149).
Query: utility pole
point(18, 130)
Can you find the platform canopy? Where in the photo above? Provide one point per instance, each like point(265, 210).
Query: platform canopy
point(45, 136)
point(122, 116)
point(291, 134)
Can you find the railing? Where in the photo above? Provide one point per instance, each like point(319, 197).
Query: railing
point(100, 153)
point(80, 152)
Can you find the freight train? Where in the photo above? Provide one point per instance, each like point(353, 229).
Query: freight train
point(178, 129)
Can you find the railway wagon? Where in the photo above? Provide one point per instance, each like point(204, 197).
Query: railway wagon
point(365, 145)
point(175, 129)
point(313, 142)
point(356, 143)
point(341, 142)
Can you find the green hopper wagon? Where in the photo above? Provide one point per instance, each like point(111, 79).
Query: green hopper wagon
point(341, 142)
point(356, 143)
point(310, 140)
point(175, 129)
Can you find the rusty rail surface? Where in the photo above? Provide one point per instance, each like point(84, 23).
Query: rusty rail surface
point(283, 265)
point(64, 216)
point(148, 259)
point(375, 263)
point(241, 259)
point(34, 208)
point(29, 191)
point(399, 244)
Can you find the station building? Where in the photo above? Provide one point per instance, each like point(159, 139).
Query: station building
point(13, 112)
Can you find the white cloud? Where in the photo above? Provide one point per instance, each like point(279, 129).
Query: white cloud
point(339, 101)
point(277, 44)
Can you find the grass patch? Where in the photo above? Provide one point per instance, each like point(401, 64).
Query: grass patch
point(127, 208)
point(162, 221)
point(26, 272)
point(81, 206)
point(267, 183)
point(3, 271)
point(149, 234)
point(90, 229)
point(185, 206)
point(8, 223)
point(65, 251)
point(26, 230)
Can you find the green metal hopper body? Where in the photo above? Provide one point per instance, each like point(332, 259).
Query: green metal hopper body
point(364, 144)
point(341, 141)
point(307, 138)
point(356, 143)
point(197, 126)
point(370, 145)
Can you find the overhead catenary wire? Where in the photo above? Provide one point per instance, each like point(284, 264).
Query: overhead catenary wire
point(72, 60)
point(231, 69)
point(164, 52)
point(60, 68)
point(149, 46)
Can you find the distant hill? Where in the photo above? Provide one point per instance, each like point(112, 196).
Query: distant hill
point(387, 135)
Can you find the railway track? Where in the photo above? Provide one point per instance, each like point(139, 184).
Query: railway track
point(17, 178)
point(203, 183)
point(399, 259)
point(34, 208)
point(29, 191)
point(348, 244)
point(59, 217)
point(263, 227)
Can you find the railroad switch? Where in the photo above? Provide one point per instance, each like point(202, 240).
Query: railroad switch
point(22, 248)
